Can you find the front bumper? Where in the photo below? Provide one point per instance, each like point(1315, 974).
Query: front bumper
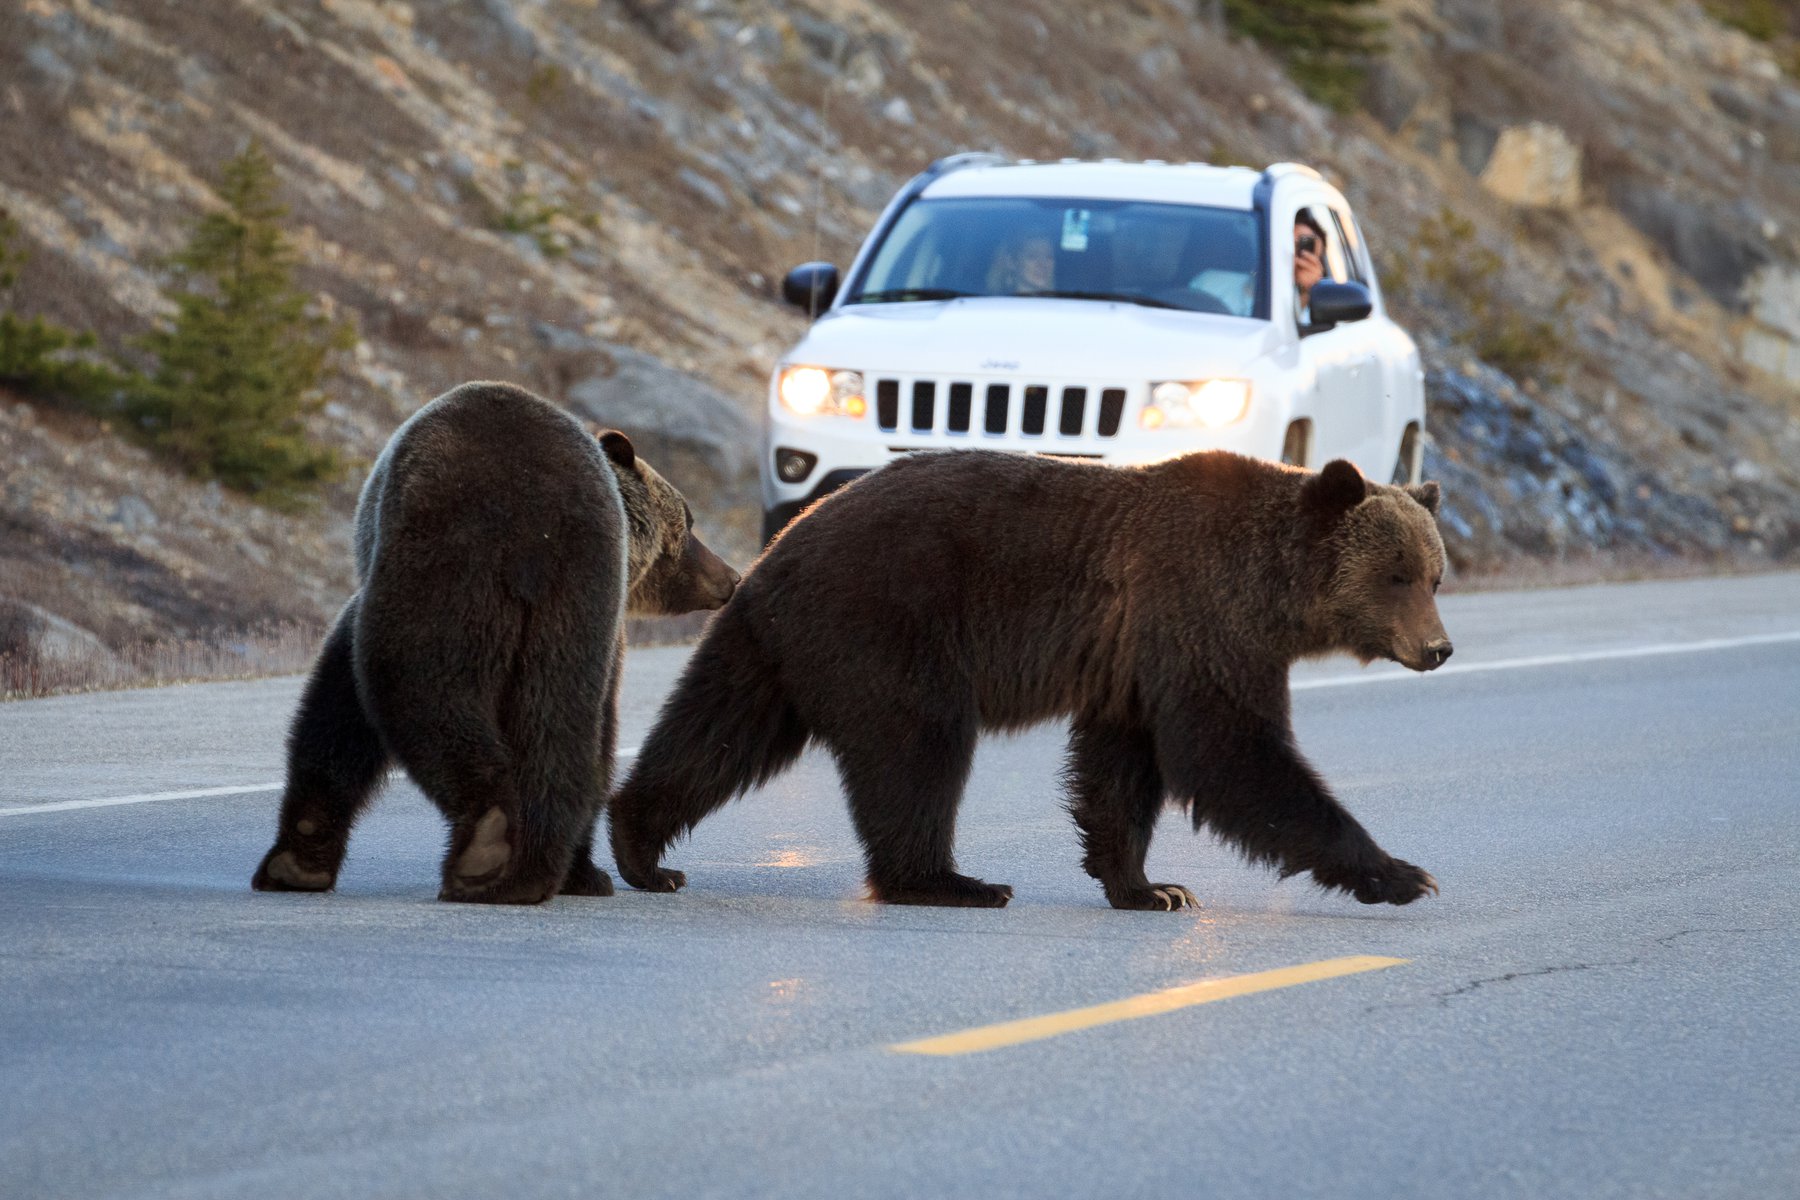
point(776, 519)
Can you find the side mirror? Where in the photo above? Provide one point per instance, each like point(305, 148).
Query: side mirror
point(811, 286)
point(1332, 302)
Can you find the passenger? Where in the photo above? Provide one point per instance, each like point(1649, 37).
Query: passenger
point(1309, 260)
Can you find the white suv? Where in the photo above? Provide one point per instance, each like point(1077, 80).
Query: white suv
point(1118, 311)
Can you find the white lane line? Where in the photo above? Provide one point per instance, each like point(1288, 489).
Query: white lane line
point(109, 801)
point(1557, 660)
point(243, 789)
point(1499, 664)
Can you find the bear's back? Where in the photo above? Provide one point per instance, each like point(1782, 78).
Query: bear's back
point(477, 469)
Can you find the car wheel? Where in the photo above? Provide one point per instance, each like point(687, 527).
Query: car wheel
point(1409, 465)
point(1296, 443)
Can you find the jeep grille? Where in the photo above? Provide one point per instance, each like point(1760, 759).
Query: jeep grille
point(931, 406)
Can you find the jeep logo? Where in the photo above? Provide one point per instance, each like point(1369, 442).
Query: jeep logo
point(999, 364)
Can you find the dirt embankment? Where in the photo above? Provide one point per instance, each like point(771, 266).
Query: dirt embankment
point(597, 199)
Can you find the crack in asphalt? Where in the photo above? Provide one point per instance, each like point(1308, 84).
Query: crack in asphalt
point(1442, 999)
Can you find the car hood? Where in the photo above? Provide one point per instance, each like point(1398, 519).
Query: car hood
point(1013, 336)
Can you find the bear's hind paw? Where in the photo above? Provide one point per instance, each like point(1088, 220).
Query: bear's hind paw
point(1153, 897)
point(505, 890)
point(281, 871)
point(585, 879)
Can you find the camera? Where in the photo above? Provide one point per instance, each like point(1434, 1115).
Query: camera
point(1306, 243)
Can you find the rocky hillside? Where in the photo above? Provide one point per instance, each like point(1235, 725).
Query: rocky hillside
point(595, 198)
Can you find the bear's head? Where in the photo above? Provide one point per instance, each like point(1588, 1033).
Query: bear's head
point(1388, 559)
point(670, 570)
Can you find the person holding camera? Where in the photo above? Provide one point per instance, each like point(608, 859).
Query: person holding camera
point(1309, 260)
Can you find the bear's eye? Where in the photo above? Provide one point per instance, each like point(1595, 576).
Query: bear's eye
point(1397, 580)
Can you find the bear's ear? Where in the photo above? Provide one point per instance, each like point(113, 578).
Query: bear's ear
point(618, 447)
point(1428, 494)
point(1336, 490)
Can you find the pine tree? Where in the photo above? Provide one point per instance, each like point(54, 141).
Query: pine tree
point(238, 371)
point(39, 358)
point(1325, 44)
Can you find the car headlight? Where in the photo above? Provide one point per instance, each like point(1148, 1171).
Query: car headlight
point(815, 391)
point(1207, 404)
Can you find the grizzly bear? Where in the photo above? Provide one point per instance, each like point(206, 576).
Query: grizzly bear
point(499, 546)
point(1157, 607)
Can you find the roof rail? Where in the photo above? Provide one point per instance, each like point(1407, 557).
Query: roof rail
point(1277, 170)
point(970, 158)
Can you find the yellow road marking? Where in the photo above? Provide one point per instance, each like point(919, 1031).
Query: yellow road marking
point(1032, 1029)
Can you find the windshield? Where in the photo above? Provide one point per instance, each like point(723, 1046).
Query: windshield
point(1162, 255)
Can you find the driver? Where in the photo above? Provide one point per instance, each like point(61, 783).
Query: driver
point(1029, 265)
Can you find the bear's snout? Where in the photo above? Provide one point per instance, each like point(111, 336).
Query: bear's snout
point(726, 584)
point(1438, 653)
point(714, 580)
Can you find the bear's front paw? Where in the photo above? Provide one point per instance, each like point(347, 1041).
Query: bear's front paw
point(945, 888)
point(1153, 897)
point(1391, 882)
point(656, 879)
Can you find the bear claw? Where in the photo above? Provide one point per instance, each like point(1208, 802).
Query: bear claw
point(1155, 897)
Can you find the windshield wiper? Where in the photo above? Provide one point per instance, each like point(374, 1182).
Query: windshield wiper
point(894, 294)
point(1123, 297)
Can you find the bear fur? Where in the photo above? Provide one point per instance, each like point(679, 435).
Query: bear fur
point(499, 546)
point(1157, 607)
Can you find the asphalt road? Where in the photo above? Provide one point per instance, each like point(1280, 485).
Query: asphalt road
point(1602, 1003)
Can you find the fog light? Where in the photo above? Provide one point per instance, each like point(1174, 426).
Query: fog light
point(794, 465)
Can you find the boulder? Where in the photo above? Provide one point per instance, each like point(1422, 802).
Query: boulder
point(1534, 165)
point(683, 425)
point(28, 632)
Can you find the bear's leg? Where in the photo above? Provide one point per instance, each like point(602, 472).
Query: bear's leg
point(454, 751)
point(584, 877)
point(903, 801)
point(727, 727)
point(470, 775)
point(436, 670)
point(335, 762)
point(1246, 781)
point(1115, 794)
point(541, 804)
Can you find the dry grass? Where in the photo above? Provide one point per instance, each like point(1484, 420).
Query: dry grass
point(1527, 574)
point(279, 650)
point(285, 649)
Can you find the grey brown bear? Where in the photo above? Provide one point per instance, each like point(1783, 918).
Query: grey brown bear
point(1158, 608)
point(498, 547)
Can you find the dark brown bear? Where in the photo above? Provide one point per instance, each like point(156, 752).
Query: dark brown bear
point(1157, 607)
point(498, 547)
